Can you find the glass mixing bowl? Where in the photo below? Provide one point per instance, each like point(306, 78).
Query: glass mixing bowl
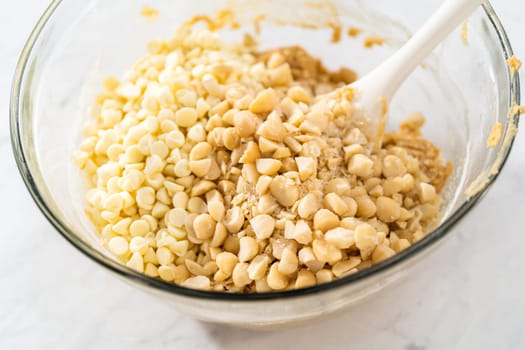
point(463, 89)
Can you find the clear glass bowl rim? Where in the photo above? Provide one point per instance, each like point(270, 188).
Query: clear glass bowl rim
point(433, 237)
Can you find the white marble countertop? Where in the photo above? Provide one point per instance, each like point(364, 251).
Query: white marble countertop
point(467, 295)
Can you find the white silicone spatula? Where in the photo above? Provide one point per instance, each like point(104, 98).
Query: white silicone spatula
point(381, 84)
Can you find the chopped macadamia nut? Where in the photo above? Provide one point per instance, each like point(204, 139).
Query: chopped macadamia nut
point(388, 210)
point(268, 167)
point(325, 220)
point(305, 278)
point(284, 190)
point(264, 102)
point(340, 237)
point(258, 267)
point(306, 167)
point(308, 206)
point(276, 280)
point(427, 192)
point(366, 239)
point(263, 226)
point(360, 165)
